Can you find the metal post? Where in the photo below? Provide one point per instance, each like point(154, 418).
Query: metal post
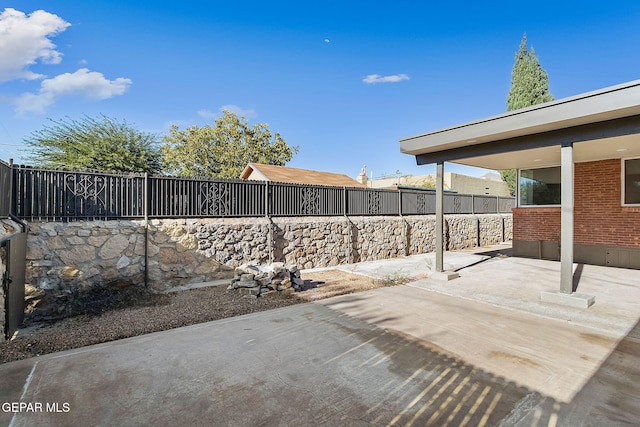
point(266, 199)
point(12, 193)
point(344, 200)
point(267, 214)
point(145, 196)
point(566, 220)
point(348, 223)
point(439, 216)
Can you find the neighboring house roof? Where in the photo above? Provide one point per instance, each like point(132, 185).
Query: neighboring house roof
point(262, 172)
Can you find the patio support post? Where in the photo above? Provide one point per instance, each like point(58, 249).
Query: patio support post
point(566, 296)
point(439, 273)
point(439, 216)
point(566, 219)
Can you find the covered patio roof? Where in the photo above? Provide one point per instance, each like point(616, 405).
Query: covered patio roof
point(601, 125)
point(598, 125)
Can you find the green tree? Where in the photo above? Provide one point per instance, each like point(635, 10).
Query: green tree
point(102, 143)
point(224, 149)
point(529, 86)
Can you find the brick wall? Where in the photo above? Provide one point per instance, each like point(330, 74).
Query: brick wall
point(599, 217)
point(536, 224)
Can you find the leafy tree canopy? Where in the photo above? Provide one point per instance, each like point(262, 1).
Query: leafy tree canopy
point(529, 86)
point(102, 143)
point(224, 149)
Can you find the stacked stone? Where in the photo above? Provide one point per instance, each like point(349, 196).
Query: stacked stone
point(255, 281)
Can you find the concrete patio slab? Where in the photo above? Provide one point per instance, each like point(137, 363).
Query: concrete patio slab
point(479, 350)
point(301, 365)
point(413, 266)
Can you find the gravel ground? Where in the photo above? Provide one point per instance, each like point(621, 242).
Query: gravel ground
point(152, 313)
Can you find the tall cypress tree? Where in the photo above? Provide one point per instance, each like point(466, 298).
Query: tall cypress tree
point(529, 86)
point(529, 82)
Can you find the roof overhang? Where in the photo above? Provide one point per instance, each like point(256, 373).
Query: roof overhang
point(602, 124)
point(251, 169)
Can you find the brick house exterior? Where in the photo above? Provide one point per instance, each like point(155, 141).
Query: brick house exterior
point(574, 155)
point(605, 231)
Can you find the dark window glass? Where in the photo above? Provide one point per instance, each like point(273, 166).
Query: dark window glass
point(632, 181)
point(540, 186)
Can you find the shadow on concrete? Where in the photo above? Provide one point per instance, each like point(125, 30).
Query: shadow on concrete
point(446, 390)
point(577, 274)
point(434, 387)
point(502, 252)
point(611, 397)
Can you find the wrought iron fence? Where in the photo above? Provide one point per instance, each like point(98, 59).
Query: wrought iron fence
point(64, 195)
point(69, 195)
point(5, 189)
point(183, 197)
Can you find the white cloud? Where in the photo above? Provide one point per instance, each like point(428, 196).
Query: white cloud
point(85, 83)
point(208, 114)
point(377, 78)
point(25, 39)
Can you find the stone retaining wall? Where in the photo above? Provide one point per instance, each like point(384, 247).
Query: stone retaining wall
point(179, 251)
point(68, 258)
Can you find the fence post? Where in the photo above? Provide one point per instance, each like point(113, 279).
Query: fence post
point(267, 214)
point(348, 222)
point(473, 204)
point(344, 200)
point(266, 199)
point(12, 193)
point(145, 197)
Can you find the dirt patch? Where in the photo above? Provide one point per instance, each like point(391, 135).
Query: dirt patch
point(143, 313)
point(330, 283)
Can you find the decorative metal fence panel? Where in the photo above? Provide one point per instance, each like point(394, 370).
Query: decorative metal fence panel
point(184, 197)
point(303, 200)
point(5, 189)
point(63, 195)
point(485, 204)
point(418, 203)
point(458, 203)
point(372, 202)
point(52, 194)
point(506, 204)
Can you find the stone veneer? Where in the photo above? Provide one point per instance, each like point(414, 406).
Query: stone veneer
point(65, 259)
point(179, 251)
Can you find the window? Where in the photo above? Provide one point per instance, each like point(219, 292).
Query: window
point(539, 187)
point(631, 182)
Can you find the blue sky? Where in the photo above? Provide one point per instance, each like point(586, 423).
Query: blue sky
point(344, 80)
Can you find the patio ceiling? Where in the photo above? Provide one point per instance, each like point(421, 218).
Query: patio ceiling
point(603, 124)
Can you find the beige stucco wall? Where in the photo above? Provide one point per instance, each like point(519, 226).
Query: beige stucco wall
point(462, 184)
